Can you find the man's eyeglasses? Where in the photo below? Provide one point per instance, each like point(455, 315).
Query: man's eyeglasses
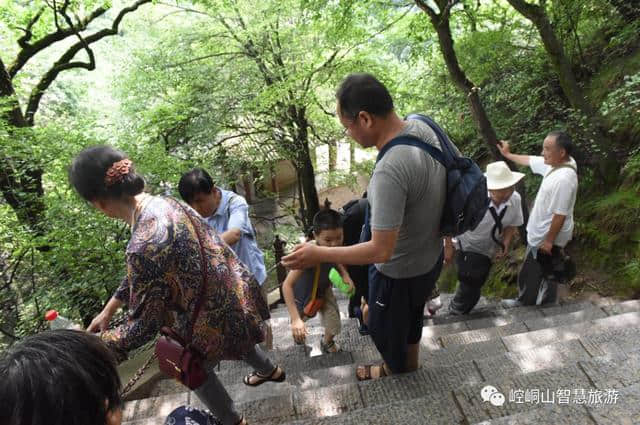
point(346, 129)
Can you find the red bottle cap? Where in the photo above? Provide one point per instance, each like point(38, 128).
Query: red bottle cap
point(51, 315)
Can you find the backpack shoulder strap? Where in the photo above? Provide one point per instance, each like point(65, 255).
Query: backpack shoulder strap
point(413, 141)
point(316, 277)
point(562, 166)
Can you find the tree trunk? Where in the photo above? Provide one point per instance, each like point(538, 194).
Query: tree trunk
point(20, 178)
point(296, 116)
point(312, 206)
point(445, 41)
point(607, 165)
point(352, 156)
point(629, 9)
point(333, 156)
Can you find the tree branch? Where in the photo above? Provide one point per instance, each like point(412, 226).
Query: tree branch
point(33, 287)
point(318, 69)
point(24, 40)
point(10, 335)
point(235, 136)
point(15, 269)
point(428, 10)
point(213, 55)
point(64, 63)
point(28, 51)
point(184, 9)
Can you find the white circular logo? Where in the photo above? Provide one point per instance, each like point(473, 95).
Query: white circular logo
point(491, 394)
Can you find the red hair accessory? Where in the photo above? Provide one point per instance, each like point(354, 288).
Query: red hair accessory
point(117, 171)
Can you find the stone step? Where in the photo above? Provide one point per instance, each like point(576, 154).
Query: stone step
point(502, 323)
point(524, 325)
point(522, 341)
point(433, 355)
point(612, 335)
point(295, 359)
point(292, 360)
point(515, 337)
point(333, 388)
point(411, 401)
point(361, 350)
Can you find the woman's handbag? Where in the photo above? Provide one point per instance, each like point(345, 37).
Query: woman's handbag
point(177, 357)
point(315, 303)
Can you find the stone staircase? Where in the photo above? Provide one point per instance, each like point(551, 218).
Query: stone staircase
point(576, 363)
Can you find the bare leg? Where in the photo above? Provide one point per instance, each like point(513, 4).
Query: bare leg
point(365, 311)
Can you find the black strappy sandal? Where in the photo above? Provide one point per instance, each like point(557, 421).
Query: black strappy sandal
point(262, 379)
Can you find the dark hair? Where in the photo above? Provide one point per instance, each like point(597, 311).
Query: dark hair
point(563, 141)
point(363, 92)
point(89, 169)
point(193, 182)
point(327, 219)
point(58, 377)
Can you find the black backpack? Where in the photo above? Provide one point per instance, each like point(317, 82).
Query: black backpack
point(353, 218)
point(467, 200)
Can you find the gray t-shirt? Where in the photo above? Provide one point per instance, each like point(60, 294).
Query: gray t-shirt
point(407, 192)
point(304, 285)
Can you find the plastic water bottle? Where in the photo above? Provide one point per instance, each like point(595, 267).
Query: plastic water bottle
point(339, 283)
point(58, 322)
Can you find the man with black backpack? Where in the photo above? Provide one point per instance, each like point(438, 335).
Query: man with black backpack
point(491, 239)
point(402, 236)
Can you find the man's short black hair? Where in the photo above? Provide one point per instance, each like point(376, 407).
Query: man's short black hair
point(61, 377)
point(194, 182)
point(563, 141)
point(363, 92)
point(327, 219)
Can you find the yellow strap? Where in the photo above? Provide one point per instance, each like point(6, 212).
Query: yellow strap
point(314, 291)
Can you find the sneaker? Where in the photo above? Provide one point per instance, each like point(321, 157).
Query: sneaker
point(510, 303)
point(433, 306)
point(454, 312)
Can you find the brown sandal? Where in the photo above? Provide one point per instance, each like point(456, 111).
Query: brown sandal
point(262, 379)
point(363, 373)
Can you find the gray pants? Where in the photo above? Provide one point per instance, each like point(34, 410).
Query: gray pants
point(533, 287)
point(215, 397)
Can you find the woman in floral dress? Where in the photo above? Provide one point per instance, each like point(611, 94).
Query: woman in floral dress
point(164, 277)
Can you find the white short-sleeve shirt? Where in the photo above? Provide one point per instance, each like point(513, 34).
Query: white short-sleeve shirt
point(557, 195)
point(479, 240)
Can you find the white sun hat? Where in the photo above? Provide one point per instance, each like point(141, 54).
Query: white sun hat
point(499, 176)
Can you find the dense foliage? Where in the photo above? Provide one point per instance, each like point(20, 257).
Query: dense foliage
point(236, 86)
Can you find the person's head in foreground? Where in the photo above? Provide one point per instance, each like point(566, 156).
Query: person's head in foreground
point(59, 377)
point(197, 189)
point(327, 227)
point(501, 181)
point(557, 148)
point(106, 178)
point(365, 109)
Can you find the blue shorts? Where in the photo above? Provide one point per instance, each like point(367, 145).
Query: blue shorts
point(396, 310)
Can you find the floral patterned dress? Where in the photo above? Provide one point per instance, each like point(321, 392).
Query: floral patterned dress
point(164, 277)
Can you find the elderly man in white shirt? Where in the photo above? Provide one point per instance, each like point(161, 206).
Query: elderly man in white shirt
point(490, 239)
point(550, 225)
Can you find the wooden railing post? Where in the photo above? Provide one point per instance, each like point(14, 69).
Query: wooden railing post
point(281, 272)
